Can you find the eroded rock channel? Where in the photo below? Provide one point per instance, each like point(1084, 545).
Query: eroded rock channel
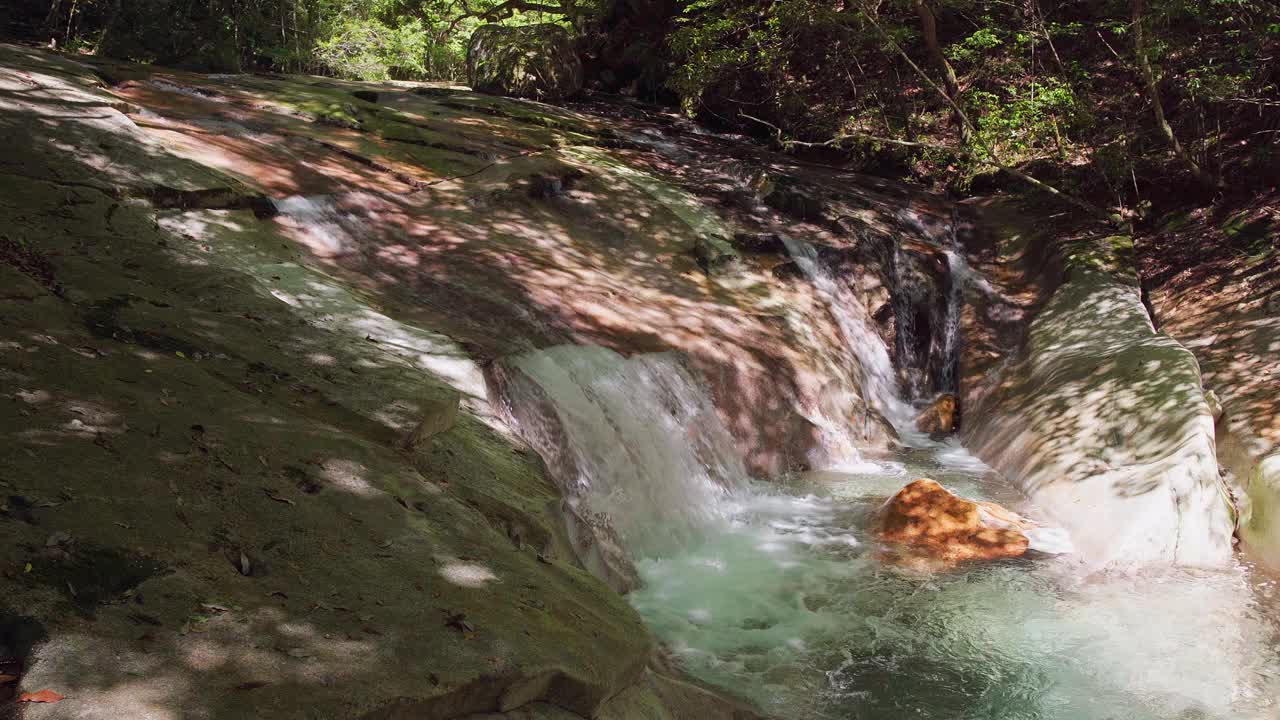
point(327, 399)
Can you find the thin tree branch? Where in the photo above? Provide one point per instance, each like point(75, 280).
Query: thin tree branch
point(1153, 91)
point(991, 157)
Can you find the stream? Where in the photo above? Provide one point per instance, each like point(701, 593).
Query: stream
point(778, 592)
point(695, 315)
point(793, 605)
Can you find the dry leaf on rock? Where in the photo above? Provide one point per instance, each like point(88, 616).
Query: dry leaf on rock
point(41, 696)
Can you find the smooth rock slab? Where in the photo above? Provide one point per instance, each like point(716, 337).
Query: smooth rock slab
point(1104, 424)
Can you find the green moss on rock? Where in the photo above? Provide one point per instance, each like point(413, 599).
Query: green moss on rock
point(533, 61)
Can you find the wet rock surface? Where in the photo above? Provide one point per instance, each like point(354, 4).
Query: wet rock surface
point(206, 496)
point(1099, 418)
point(251, 334)
point(939, 416)
point(928, 516)
point(247, 330)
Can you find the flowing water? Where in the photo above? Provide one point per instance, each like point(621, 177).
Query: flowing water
point(795, 606)
point(646, 447)
point(879, 380)
point(778, 592)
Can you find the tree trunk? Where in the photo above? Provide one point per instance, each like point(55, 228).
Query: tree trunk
point(108, 27)
point(1136, 9)
point(929, 29)
point(991, 157)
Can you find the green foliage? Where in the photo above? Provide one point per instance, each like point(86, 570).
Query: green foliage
point(777, 59)
point(1023, 121)
point(975, 46)
point(1043, 83)
point(359, 39)
point(371, 50)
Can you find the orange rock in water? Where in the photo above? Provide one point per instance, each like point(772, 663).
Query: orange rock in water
point(926, 515)
point(940, 417)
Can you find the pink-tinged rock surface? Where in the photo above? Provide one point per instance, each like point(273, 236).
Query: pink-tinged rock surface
point(508, 226)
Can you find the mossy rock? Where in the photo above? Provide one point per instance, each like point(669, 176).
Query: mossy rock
point(533, 61)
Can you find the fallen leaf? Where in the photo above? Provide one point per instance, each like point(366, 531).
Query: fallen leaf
point(41, 696)
point(27, 568)
point(277, 497)
point(252, 685)
point(458, 621)
point(145, 619)
point(245, 568)
point(126, 526)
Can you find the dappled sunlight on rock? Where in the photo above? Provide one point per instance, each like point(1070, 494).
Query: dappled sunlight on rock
point(346, 476)
point(1102, 421)
point(276, 451)
point(1220, 296)
point(33, 397)
point(205, 655)
point(466, 574)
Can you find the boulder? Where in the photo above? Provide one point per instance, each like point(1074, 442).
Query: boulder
point(939, 417)
point(533, 61)
point(926, 515)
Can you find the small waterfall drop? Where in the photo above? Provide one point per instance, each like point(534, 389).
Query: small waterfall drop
point(880, 382)
point(928, 305)
point(917, 319)
point(640, 446)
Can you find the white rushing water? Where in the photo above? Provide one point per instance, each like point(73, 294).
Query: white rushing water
point(779, 593)
point(798, 608)
point(879, 380)
point(648, 449)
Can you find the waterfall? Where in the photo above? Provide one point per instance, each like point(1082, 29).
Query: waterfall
point(632, 440)
point(320, 220)
point(963, 280)
point(879, 381)
point(931, 362)
point(915, 321)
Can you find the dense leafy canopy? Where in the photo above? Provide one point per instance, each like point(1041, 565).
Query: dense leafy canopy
point(1063, 90)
